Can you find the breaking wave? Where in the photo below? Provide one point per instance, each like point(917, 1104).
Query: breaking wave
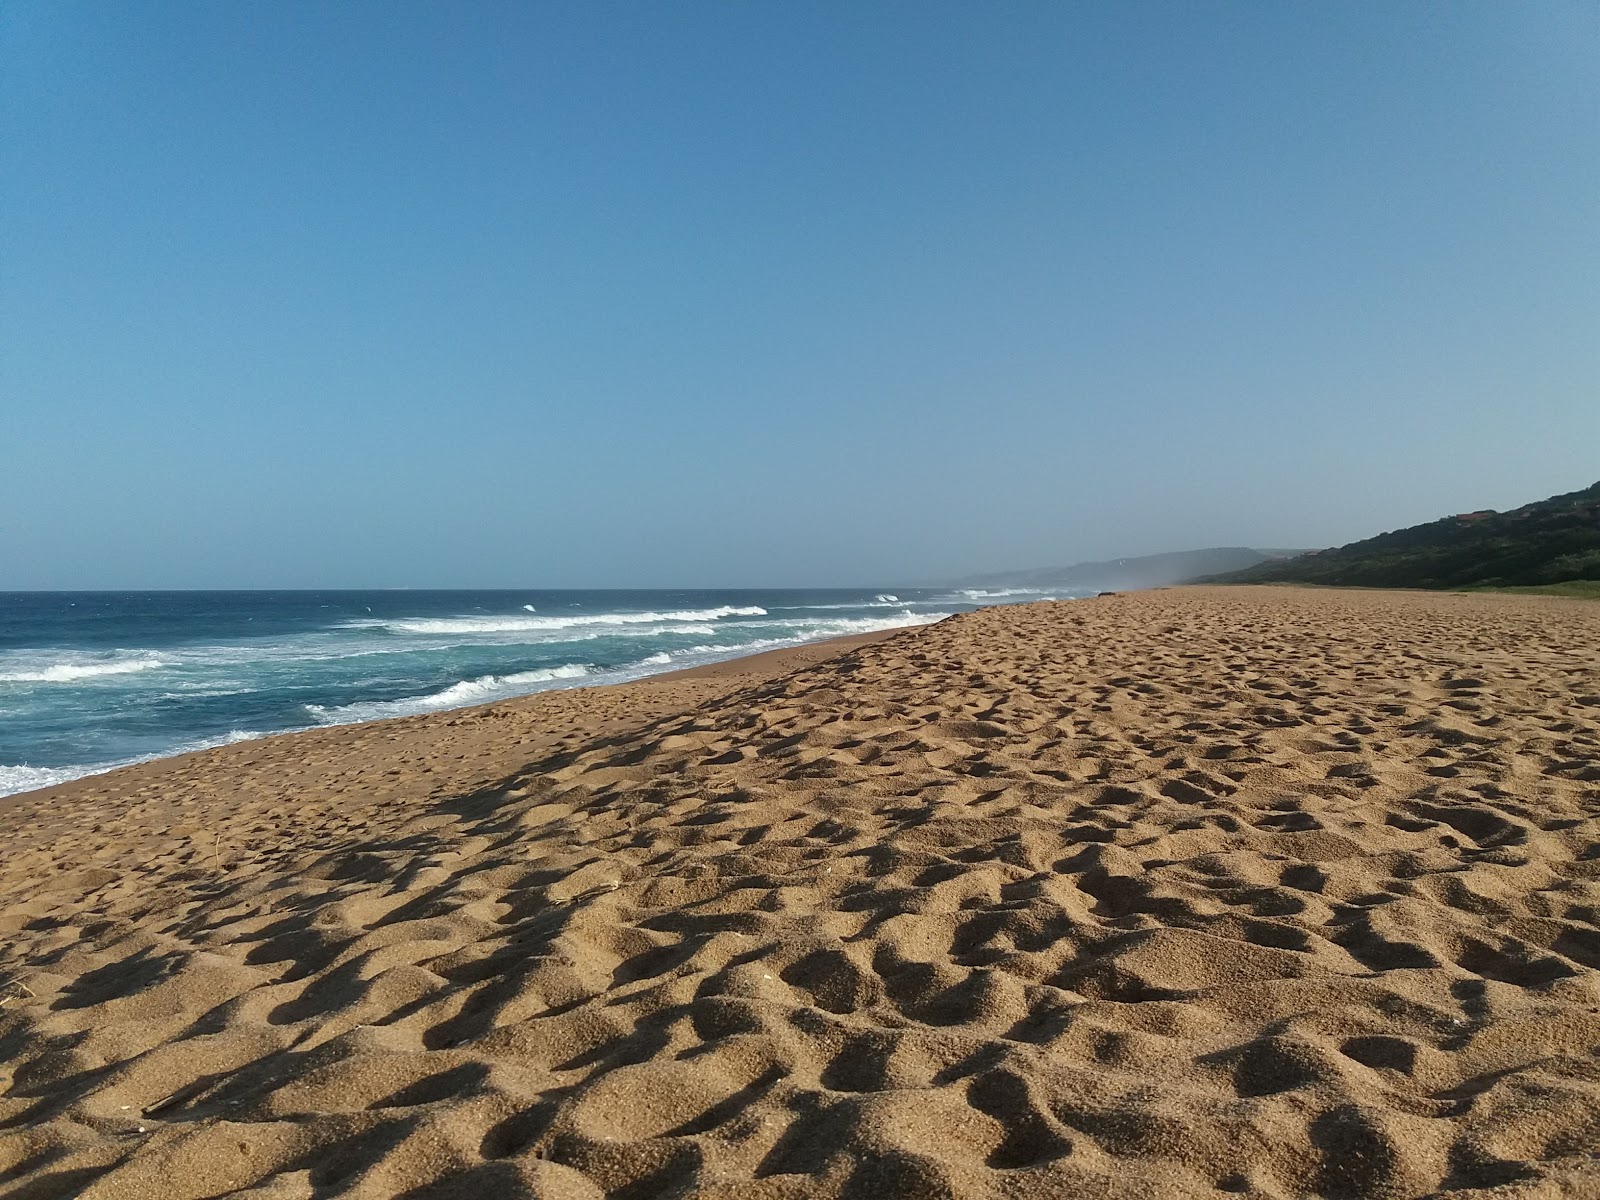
point(536, 624)
point(24, 778)
point(457, 695)
point(997, 593)
point(74, 670)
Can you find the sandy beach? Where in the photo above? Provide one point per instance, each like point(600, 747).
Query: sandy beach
point(1199, 891)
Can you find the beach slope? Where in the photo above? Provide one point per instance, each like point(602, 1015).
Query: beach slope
point(1255, 891)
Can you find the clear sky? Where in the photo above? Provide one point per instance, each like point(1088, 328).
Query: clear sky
point(644, 294)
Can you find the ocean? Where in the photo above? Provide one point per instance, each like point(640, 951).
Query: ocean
point(90, 681)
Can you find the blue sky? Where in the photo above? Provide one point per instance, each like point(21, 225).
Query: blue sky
point(311, 294)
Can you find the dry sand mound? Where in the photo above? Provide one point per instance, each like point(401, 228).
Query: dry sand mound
point(1250, 891)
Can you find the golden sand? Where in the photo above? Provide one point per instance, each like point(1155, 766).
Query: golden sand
point(1201, 891)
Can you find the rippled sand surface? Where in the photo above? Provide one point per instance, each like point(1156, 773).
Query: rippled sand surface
point(1201, 891)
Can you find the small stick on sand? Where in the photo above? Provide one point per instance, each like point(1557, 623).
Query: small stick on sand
point(178, 1097)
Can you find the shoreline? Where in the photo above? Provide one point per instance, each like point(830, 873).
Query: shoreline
point(701, 670)
point(414, 727)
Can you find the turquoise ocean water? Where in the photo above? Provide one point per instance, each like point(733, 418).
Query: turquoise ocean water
point(95, 680)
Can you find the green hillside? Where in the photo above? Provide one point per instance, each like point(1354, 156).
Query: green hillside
point(1548, 542)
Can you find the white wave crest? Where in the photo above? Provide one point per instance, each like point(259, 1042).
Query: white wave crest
point(820, 629)
point(882, 600)
point(997, 593)
point(470, 625)
point(639, 631)
point(658, 660)
point(197, 692)
point(906, 619)
point(76, 669)
point(457, 695)
point(809, 629)
point(529, 608)
point(24, 778)
point(738, 649)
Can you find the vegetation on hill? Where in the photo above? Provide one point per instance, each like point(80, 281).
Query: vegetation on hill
point(1547, 542)
point(1581, 589)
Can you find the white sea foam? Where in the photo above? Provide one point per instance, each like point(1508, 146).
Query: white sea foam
point(819, 629)
point(905, 619)
point(882, 600)
point(14, 780)
point(200, 692)
point(562, 636)
point(997, 593)
point(457, 695)
point(209, 743)
point(812, 628)
point(77, 668)
point(638, 631)
point(710, 653)
point(496, 687)
point(65, 666)
point(536, 624)
point(530, 608)
point(24, 778)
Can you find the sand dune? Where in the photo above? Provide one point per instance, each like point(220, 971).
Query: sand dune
point(1242, 891)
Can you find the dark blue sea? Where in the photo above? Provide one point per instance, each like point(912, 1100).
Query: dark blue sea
point(95, 680)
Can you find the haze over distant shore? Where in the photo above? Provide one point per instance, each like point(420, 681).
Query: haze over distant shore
point(1139, 571)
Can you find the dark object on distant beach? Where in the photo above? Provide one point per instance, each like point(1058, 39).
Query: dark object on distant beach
point(1110, 593)
point(1546, 542)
